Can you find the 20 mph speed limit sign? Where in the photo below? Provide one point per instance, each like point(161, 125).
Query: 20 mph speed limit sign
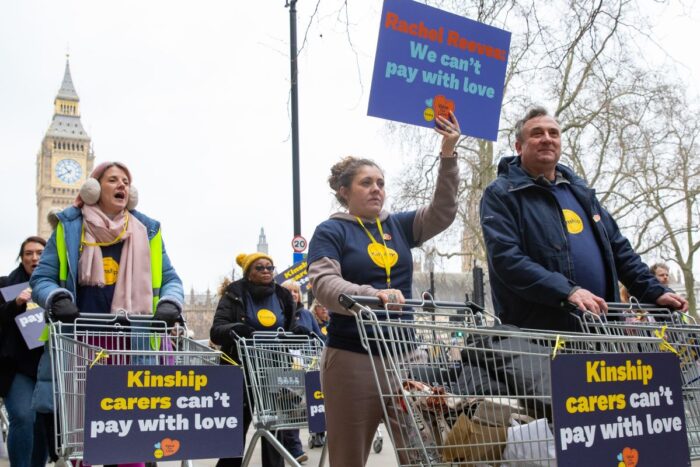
point(299, 244)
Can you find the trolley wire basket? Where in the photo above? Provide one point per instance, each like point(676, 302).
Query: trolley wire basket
point(275, 365)
point(468, 393)
point(108, 339)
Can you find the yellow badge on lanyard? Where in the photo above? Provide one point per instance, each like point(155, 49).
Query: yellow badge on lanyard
point(266, 317)
point(111, 269)
point(379, 253)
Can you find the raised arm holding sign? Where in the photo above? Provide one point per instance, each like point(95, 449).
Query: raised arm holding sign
point(430, 62)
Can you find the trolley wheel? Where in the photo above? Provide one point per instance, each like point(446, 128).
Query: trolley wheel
point(378, 444)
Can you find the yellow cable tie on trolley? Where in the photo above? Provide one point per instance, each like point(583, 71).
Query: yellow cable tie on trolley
point(100, 354)
point(558, 345)
point(664, 346)
point(228, 359)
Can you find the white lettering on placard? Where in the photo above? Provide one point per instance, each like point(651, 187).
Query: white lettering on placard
point(120, 427)
point(34, 318)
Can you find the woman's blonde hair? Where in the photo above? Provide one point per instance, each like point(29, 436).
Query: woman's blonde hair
point(314, 305)
point(292, 285)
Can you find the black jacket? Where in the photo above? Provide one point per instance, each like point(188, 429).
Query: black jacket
point(231, 310)
point(530, 266)
point(15, 357)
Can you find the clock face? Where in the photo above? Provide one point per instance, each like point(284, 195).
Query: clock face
point(68, 171)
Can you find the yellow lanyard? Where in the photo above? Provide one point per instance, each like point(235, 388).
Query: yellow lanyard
point(113, 242)
point(385, 254)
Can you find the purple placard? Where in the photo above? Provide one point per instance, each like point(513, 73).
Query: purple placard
point(297, 272)
point(11, 291)
point(31, 325)
point(315, 408)
point(429, 61)
point(619, 409)
point(162, 413)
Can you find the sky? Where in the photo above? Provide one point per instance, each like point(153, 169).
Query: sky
point(194, 98)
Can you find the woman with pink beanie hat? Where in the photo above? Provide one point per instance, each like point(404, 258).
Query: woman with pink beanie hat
point(104, 256)
point(108, 249)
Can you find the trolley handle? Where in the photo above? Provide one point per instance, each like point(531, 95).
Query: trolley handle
point(618, 309)
point(377, 303)
point(352, 304)
point(122, 317)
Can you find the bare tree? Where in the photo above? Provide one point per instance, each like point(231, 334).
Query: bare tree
point(625, 128)
point(577, 58)
point(666, 184)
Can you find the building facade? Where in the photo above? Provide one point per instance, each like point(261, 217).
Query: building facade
point(65, 158)
point(198, 311)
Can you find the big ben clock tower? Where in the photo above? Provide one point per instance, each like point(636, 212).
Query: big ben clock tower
point(65, 158)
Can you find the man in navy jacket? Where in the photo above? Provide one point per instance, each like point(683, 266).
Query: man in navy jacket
point(550, 243)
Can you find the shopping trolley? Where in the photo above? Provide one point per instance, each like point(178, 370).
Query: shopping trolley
point(126, 340)
point(275, 365)
point(679, 330)
point(468, 393)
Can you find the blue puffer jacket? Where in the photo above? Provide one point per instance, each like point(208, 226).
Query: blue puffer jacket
point(45, 281)
point(304, 320)
point(530, 263)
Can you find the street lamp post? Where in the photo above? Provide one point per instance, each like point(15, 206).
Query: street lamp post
point(291, 4)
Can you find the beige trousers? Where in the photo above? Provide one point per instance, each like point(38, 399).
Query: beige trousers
point(353, 406)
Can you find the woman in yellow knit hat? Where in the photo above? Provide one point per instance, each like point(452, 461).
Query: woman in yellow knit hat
point(253, 303)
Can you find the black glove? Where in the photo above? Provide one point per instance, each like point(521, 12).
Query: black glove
point(242, 330)
point(64, 310)
point(301, 330)
point(168, 312)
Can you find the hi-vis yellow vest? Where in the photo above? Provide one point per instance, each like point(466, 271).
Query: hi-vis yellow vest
point(156, 246)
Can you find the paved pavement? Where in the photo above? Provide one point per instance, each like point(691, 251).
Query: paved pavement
point(385, 458)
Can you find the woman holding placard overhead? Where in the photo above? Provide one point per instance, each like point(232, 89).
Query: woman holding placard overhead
point(26, 440)
point(367, 251)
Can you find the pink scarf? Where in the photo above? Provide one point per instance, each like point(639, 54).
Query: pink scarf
point(132, 290)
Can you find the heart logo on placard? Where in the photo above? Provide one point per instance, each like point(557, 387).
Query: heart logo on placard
point(630, 456)
point(442, 106)
point(170, 446)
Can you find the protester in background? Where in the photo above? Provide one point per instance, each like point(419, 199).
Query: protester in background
point(304, 323)
point(304, 320)
point(661, 272)
point(367, 251)
point(26, 441)
point(321, 314)
point(253, 303)
point(115, 260)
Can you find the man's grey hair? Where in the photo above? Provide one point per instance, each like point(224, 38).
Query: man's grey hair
point(532, 112)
